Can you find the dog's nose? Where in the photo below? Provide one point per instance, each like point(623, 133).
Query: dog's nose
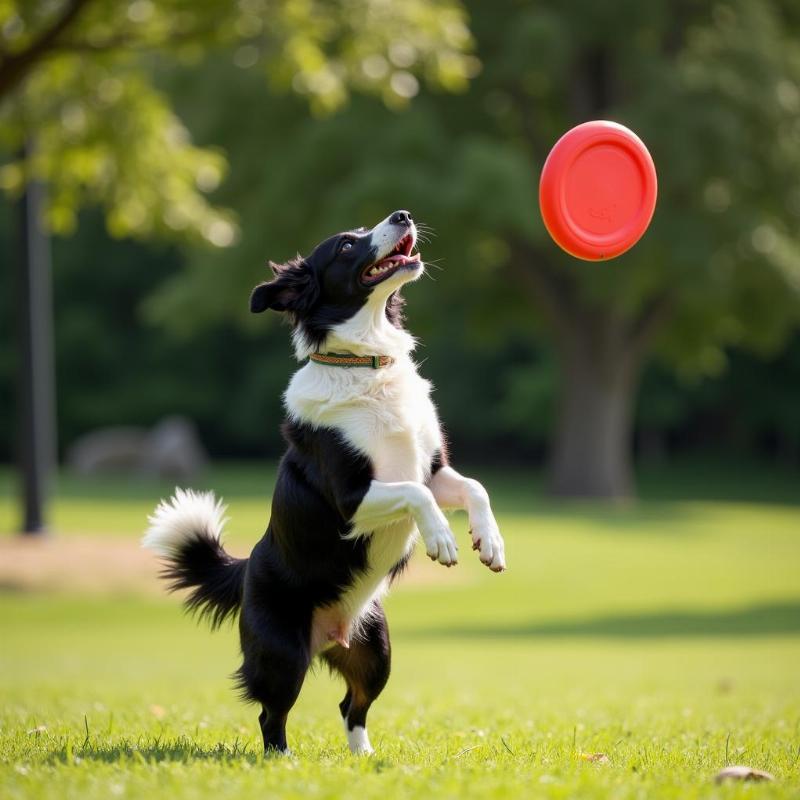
point(401, 218)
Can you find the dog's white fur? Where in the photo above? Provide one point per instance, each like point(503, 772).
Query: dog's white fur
point(185, 515)
point(387, 415)
point(358, 740)
point(452, 490)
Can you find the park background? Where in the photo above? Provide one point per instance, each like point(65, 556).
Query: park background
point(636, 421)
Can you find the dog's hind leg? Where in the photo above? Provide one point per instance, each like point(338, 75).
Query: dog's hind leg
point(365, 666)
point(277, 692)
point(272, 674)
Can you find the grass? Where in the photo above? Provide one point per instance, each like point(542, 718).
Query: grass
point(665, 635)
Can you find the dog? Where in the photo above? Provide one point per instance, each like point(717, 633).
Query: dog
point(365, 472)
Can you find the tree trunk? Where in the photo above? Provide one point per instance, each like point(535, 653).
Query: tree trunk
point(36, 373)
point(600, 354)
point(591, 452)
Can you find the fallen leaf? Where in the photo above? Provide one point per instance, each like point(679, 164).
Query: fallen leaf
point(157, 711)
point(595, 758)
point(740, 773)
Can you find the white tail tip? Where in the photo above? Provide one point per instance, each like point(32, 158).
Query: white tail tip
point(185, 515)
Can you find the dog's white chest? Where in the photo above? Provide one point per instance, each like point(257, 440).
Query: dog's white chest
point(387, 416)
point(398, 432)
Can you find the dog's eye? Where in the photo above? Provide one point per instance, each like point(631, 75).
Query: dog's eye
point(345, 246)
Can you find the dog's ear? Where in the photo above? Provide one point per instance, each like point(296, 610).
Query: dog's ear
point(294, 289)
point(268, 295)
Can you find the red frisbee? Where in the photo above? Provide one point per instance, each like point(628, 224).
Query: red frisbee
point(598, 190)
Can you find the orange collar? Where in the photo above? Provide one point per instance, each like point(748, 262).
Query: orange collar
point(347, 360)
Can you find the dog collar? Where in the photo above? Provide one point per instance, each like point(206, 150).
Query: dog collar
point(346, 360)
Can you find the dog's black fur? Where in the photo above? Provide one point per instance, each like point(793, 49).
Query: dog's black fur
point(302, 562)
point(324, 289)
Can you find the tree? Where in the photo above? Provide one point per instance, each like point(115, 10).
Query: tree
point(79, 111)
point(706, 88)
point(712, 91)
point(80, 75)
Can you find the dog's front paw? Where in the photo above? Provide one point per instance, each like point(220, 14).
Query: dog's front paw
point(486, 539)
point(440, 544)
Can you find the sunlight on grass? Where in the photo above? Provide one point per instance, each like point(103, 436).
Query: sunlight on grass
point(665, 635)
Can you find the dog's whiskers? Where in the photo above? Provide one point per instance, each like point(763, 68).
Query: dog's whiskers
point(434, 263)
point(423, 228)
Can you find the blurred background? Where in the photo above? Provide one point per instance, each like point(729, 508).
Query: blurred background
point(182, 145)
point(637, 422)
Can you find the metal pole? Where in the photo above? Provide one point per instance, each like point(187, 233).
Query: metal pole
point(36, 381)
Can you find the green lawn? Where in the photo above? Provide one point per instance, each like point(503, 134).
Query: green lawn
point(665, 635)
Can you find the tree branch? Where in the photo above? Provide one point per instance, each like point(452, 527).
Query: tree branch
point(132, 43)
point(674, 37)
point(652, 317)
point(552, 291)
point(14, 68)
point(598, 327)
point(531, 132)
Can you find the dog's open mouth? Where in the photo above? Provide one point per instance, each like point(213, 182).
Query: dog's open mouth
point(399, 258)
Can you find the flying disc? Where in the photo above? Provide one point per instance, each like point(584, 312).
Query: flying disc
point(597, 192)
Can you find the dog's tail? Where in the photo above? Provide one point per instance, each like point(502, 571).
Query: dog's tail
point(186, 532)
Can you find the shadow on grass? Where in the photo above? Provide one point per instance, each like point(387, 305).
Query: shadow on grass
point(768, 619)
point(650, 518)
point(701, 477)
point(154, 751)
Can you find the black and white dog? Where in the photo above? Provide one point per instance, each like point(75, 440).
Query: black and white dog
point(365, 470)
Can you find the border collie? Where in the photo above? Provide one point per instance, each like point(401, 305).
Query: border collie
point(365, 471)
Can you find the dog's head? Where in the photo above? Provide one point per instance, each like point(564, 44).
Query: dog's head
point(342, 275)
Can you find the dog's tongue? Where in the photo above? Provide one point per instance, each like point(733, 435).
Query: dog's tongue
point(399, 258)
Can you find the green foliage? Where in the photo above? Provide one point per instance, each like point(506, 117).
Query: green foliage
point(105, 136)
point(78, 77)
point(113, 370)
point(714, 95)
point(712, 90)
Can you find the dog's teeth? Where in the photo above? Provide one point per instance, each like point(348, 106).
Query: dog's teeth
point(379, 269)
